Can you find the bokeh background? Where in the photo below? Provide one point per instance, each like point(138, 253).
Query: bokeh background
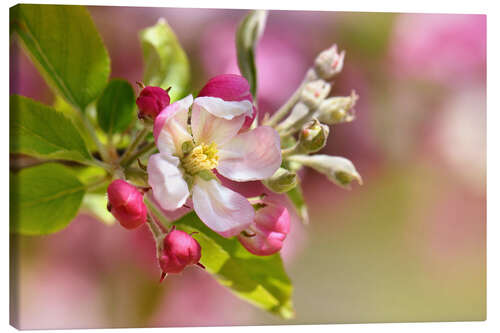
point(408, 245)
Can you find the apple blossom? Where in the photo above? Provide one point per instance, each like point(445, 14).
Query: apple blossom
point(337, 169)
point(338, 109)
point(151, 101)
point(313, 136)
point(179, 250)
point(188, 154)
point(270, 228)
point(126, 204)
point(329, 63)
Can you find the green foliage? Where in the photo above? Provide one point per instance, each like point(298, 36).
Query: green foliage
point(39, 130)
point(247, 37)
point(261, 281)
point(43, 199)
point(115, 107)
point(64, 44)
point(165, 62)
point(95, 205)
point(297, 199)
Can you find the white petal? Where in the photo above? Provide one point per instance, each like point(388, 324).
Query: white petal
point(221, 209)
point(251, 155)
point(215, 120)
point(169, 187)
point(224, 109)
point(171, 127)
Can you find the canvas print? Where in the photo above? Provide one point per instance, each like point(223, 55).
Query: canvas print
point(202, 167)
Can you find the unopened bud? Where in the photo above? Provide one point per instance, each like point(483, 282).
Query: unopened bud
point(339, 170)
point(314, 93)
point(329, 63)
point(126, 204)
point(336, 110)
point(151, 101)
point(282, 181)
point(313, 136)
point(180, 249)
point(270, 228)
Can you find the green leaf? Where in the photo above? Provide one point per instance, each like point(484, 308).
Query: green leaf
point(43, 199)
point(261, 281)
point(247, 37)
point(70, 112)
point(41, 131)
point(297, 198)
point(115, 107)
point(96, 205)
point(64, 44)
point(165, 62)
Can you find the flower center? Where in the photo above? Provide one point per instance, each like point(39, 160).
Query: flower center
point(202, 157)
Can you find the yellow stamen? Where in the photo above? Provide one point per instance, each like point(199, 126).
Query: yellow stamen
point(202, 157)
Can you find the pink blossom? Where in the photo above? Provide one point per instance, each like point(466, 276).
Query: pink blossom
point(179, 250)
point(269, 230)
point(151, 101)
point(126, 204)
point(184, 165)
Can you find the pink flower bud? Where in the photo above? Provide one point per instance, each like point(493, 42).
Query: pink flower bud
point(126, 204)
point(151, 101)
point(266, 235)
point(180, 249)
point(231, 88)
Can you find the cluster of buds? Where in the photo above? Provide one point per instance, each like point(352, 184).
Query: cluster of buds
point(176, 249)
point(304, 129)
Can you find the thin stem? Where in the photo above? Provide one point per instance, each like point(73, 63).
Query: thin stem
point(157, 233)
point(131, 148)
point(92, 186)
point(90, 129)
point(296, 149)
point(283, 111)
point(159, 225)
point(138, 154)
point(156, 211)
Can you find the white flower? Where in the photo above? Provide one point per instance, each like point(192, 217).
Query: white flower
point(187, 154)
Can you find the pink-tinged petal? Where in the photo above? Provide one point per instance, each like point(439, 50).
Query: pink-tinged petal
point(209, 128)
point(224, 109)
point(252, 155)
point(171, 126)
point(230, 87)
point(221, 209)
point(169, 187)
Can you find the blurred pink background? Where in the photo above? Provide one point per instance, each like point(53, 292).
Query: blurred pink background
point(408, 245)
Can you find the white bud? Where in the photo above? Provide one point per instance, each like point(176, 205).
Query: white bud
point(339, 170)
point(314, 93)
point(336, 110)
point(329, 63)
